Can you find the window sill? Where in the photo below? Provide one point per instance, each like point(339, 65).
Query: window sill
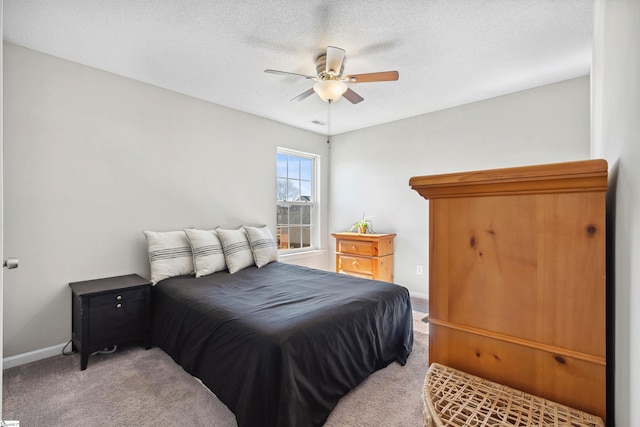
point(302, 254)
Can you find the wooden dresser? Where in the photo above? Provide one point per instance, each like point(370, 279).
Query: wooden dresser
point(365, 255)
point(517, 278)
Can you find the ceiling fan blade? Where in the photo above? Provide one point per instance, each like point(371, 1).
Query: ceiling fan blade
point(352, 97)
point(335, 56)
point(286, 73)
point(384, 76)
point(303, 95)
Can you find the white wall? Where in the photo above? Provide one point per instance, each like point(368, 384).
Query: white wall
point(371, 168)
point(616, 137)
point(91, 159)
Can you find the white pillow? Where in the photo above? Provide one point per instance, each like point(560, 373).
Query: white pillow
point(237, 252)
point(262, 245)
point(169, 254)
point(207, 251)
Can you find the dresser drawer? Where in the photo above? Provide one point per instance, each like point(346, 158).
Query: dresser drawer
point(114, 298)
point(360, 275)
point(356, 264)
point(356, 247)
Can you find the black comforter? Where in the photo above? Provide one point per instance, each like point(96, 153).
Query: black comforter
point(281, 344)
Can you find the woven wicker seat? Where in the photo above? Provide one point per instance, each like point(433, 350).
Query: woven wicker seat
point(453, 398)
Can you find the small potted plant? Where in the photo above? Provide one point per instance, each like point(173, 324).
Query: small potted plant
point(362, 225)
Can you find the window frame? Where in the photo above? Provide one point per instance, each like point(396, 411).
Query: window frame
point(314, 202)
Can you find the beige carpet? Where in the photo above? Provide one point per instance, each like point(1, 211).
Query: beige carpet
point(137, 387)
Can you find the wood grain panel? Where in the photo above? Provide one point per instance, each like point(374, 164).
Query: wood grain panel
point(495, 259)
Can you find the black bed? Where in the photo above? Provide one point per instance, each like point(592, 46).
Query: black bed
point(279, 345)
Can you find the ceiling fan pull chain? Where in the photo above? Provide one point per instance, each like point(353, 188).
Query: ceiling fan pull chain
point(329, 124)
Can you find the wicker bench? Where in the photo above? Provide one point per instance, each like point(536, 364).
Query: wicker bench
point(453, 398)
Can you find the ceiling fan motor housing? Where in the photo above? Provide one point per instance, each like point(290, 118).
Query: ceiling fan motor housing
point(321, 69)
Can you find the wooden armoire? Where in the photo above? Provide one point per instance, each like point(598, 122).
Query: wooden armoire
point(517, 283)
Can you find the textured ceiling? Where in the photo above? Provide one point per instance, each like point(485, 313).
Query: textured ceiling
point(448, 52)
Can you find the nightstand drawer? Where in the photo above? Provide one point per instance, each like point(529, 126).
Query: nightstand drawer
point(357, 247)
point(114, 298)
point(124, 319)
point(356, 265)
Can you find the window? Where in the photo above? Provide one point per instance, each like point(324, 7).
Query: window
point(296, 200)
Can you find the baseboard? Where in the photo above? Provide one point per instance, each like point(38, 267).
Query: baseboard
point(420, 295)
point(32, 356)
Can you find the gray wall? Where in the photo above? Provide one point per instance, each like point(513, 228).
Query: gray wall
point(91, 159)
point(371, 168)
point(616, 137)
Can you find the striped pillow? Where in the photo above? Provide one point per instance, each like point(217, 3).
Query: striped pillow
point(262, 245)
point(207, 251)
point(169, 254)
point(237, 252)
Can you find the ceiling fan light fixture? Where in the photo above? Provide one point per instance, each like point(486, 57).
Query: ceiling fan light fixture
point(330, 90)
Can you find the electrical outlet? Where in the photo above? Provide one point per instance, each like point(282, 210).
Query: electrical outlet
point(419, 270)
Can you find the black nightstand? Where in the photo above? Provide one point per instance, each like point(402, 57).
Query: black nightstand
point(110, 311)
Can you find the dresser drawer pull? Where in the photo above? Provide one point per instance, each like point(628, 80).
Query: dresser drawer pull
point(119, 297)
point(118, 305)
point(354, 263)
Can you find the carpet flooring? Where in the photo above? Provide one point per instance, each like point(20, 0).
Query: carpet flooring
point(137, 387)
point(420, 304)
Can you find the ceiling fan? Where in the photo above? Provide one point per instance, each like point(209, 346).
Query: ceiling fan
point(330, 84)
